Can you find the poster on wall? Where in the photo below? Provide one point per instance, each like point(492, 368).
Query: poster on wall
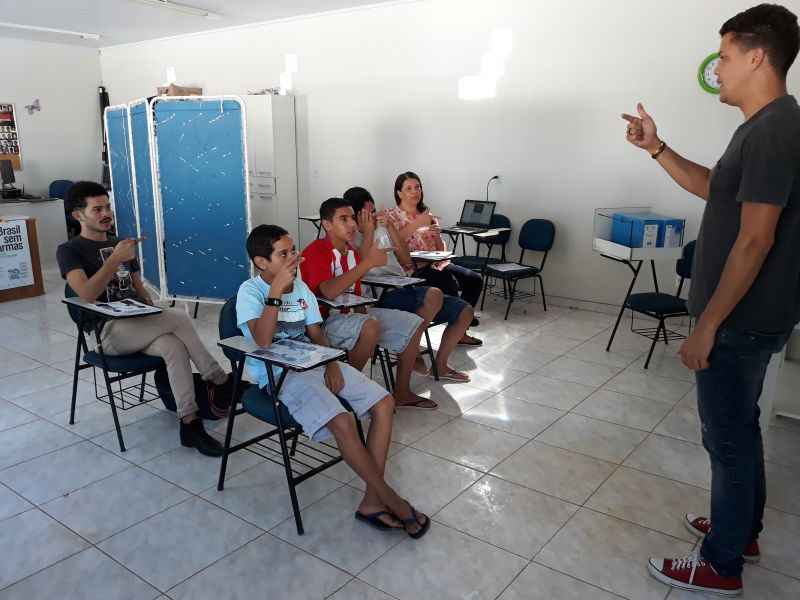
point(15, 255)
point(9, 136)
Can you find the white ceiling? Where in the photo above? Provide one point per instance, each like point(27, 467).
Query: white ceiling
point(123, 21)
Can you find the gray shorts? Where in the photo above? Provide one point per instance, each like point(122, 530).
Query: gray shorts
point(312, 404)
point(397, 327)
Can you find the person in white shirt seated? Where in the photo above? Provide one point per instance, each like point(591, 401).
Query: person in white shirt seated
point(275, 305)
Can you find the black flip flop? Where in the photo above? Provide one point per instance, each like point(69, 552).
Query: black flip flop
point(373, 519)
point(414, 519)
point(475, 342)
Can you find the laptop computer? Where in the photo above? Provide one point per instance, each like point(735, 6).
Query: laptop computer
point(476, 217)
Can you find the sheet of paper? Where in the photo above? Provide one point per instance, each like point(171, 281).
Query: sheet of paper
point(391, 280)
point(347, 301)
point(125, 308)
point(297, 354)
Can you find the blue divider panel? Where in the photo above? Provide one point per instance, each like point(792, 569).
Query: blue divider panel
point(202, 180)
point(145, 198)
point(121, 174)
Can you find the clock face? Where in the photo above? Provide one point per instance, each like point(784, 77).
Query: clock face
point(706, 76)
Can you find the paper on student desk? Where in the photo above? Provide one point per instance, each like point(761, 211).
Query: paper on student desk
point(432, 254)
point(391, 280)
point(509, 267)
point(124, 308)
point(297, 354)
point(347, 301)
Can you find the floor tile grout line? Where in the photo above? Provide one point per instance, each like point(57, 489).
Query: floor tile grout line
point(362, 582)
point(221, 558)
point(43, 454)
point(90, 545)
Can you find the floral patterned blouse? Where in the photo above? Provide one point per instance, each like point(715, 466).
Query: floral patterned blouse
point(421, 239)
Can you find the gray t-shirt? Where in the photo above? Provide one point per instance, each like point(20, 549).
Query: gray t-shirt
point(761, 164)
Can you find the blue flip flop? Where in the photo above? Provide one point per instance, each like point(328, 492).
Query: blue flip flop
point(373, 519)
point(414, 520)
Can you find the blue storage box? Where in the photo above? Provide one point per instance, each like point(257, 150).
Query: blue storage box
point(646, 230)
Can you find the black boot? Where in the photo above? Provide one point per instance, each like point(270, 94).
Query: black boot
point(194, 435)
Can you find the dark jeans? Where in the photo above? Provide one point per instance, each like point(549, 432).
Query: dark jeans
point(454, 280)
point(727, 398)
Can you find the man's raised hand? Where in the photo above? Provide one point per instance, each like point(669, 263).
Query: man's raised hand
point(642, 131)
point(125, 250)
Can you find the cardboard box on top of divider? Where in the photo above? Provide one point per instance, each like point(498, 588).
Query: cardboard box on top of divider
point(178, 90)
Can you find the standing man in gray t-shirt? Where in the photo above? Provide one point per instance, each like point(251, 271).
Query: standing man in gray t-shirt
point(745, 290)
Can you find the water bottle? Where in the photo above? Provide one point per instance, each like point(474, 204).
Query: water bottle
point(382, 238)
point(123, 278)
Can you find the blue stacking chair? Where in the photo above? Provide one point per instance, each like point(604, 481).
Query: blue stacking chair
point(536, 235)
point(313, 459)
point(59, 189)
point(661, 306)
point(115, 369)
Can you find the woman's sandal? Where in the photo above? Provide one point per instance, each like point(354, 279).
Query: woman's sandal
point(414, 520)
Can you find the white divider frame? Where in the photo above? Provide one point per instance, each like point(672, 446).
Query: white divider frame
point(106, 110)
point(157, 187)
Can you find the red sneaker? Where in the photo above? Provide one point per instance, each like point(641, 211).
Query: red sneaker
point(694, 574)
point(700, 526)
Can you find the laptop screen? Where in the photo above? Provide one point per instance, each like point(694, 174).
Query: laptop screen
point(477, 213)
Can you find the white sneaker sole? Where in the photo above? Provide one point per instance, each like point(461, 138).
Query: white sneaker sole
point(699, 535)
point(688, 586)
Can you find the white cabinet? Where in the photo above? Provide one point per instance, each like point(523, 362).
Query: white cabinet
point(272, 161)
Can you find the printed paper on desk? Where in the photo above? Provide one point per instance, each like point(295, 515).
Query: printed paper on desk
point(297, 354)
point(125, 308)
point(391, 280)
point(347, 301)
point(432, 254)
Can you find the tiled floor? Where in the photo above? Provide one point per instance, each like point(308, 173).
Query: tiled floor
point(554, 474)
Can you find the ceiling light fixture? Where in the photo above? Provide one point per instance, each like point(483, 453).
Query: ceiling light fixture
point(181, 8)
point(80, 34)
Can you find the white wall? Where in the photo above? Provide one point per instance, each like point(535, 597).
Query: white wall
point(377, 96)
point(62, 141)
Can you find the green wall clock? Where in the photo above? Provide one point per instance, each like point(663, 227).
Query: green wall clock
point(705, 74)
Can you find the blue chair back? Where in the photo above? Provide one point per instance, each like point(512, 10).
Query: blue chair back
point(684, 265)
point(228, 327)
point(60, 188)
point(501, 221)
point(537, 235)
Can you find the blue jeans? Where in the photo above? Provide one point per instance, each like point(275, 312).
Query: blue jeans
point(727, 399)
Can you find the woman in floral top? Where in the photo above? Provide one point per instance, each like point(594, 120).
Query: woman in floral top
point(420, 229)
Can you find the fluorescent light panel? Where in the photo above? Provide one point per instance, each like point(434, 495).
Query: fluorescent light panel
point(80, 34)
point(181, 8)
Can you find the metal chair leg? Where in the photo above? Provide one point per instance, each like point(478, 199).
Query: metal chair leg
point(434, 368)
point(664, 332)
point(485, 285)
point(141, 388)
point(383, 364)
point(512, 288)
point(110, 391)
point(237, 377)
point(389, 368)
point(293, 449)
point(653, 345)
point(541, 286)
point(75, 382)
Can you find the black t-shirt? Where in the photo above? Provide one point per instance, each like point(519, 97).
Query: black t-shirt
point(83, 253)
point(761, 164)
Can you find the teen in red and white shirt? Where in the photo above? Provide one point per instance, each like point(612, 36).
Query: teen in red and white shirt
point(331, 267)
